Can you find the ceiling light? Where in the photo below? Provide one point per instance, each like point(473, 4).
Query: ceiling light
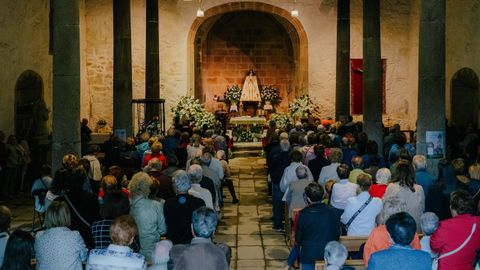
point(200, 12)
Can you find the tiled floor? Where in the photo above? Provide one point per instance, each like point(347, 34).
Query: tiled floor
point(247, 226)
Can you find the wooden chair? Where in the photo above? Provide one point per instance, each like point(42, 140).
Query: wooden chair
point(357, 264)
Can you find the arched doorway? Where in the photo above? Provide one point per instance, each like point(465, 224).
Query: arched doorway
point(31, 113)
point(465, 97)
point(242, 31)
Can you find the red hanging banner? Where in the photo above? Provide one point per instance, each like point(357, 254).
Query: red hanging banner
point(356, 85)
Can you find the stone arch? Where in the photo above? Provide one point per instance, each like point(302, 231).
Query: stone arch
point(291, 25)
point(31, 113)
point(465, 97)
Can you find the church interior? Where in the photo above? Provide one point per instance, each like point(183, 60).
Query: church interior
point(129, 66)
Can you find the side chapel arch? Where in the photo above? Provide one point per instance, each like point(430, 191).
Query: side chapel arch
point(201, 26)
point(465, 97)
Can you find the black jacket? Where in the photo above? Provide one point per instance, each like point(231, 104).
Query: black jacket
point(317, 225)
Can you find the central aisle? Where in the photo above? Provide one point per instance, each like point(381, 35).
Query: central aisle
point(247, 227)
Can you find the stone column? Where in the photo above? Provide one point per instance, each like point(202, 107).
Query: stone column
point(372, 72)
point(152, 70)
point(122, 67)
point(342, 93)
point(431, 75)
point(66, 81)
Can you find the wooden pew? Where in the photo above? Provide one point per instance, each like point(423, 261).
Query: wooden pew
point(290, 232)
point(353, 243)
point(357, 264)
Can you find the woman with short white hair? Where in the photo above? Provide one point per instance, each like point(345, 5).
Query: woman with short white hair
point(148, 214)
point(335, 256)
point(161, 256)
point(383, 177)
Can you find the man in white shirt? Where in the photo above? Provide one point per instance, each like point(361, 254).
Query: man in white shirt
point(196, 174)
point(342, 190)
point(364, 221)
point(289, 174)
point(330, 171)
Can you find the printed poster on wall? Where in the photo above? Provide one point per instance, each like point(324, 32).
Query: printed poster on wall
point(435, 143)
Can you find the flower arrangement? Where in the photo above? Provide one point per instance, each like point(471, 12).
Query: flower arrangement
point(190, 108)
point(301, 106)
point(281, 119)
point(271, 94)
point(233, 93)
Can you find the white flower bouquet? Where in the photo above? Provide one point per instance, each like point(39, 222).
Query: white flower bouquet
point(189, 108)
point(233, 93)
point(281, 119)
point(271, 94)
point(301, 107)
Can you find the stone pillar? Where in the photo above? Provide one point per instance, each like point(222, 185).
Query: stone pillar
point(122, 67)
point(431, 75)
point(152, 70)
point(66, 81)
point(372, 72)
point(342, 93)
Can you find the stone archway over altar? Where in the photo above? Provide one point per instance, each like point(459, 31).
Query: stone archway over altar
point(235, 37)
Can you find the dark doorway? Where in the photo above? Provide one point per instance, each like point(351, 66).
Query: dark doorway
point(465, 97)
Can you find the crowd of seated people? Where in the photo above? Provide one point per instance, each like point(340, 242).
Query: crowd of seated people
point(154, 202)
point(366, 188)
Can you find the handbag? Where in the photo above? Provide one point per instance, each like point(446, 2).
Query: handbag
point(435, 260)
point(76, 212)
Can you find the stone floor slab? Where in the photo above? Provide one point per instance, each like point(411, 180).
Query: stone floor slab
point(250, 252)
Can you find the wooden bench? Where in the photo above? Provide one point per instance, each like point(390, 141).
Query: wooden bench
point(353, 243)
point(357, 264)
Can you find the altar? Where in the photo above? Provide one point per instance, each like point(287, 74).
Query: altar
point(247, 128)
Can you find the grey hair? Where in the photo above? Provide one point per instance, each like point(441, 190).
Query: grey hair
point(196, 173)
point(221, 155)
point(181, 181)
point(301, 172)
point(161, 253)
point(335, 253)
point(140, 184)
point(336, 155)
point(429, 222)
point(283, 136)
point(391, 206)
point(206, 158)
point(383, 176)
point(419, 162)
point(284, 145)
point(204, 222)
point(155, 165)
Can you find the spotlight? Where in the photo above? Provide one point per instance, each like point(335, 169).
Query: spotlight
point(200, 12)
point(294, 13)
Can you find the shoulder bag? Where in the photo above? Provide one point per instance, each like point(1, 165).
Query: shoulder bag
point(435, 260)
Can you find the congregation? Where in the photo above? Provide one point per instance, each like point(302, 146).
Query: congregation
point(334, 181)
point(154, 202)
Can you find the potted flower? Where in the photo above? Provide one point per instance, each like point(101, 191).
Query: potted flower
point(270, 95)
point(301, 107)
point(232, 96)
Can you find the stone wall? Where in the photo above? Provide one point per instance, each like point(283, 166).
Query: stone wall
point(24, 45)
point(24, 38)
point(229, 52)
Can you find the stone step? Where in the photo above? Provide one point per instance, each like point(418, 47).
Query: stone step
point(247, 153)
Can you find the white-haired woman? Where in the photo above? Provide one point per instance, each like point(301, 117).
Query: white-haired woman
point(160, 255)
point(148, 214)
point(335, 256)
point(383, 178)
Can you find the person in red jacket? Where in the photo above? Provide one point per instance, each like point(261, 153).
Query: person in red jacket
point(156, 153)
point(462, 230)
